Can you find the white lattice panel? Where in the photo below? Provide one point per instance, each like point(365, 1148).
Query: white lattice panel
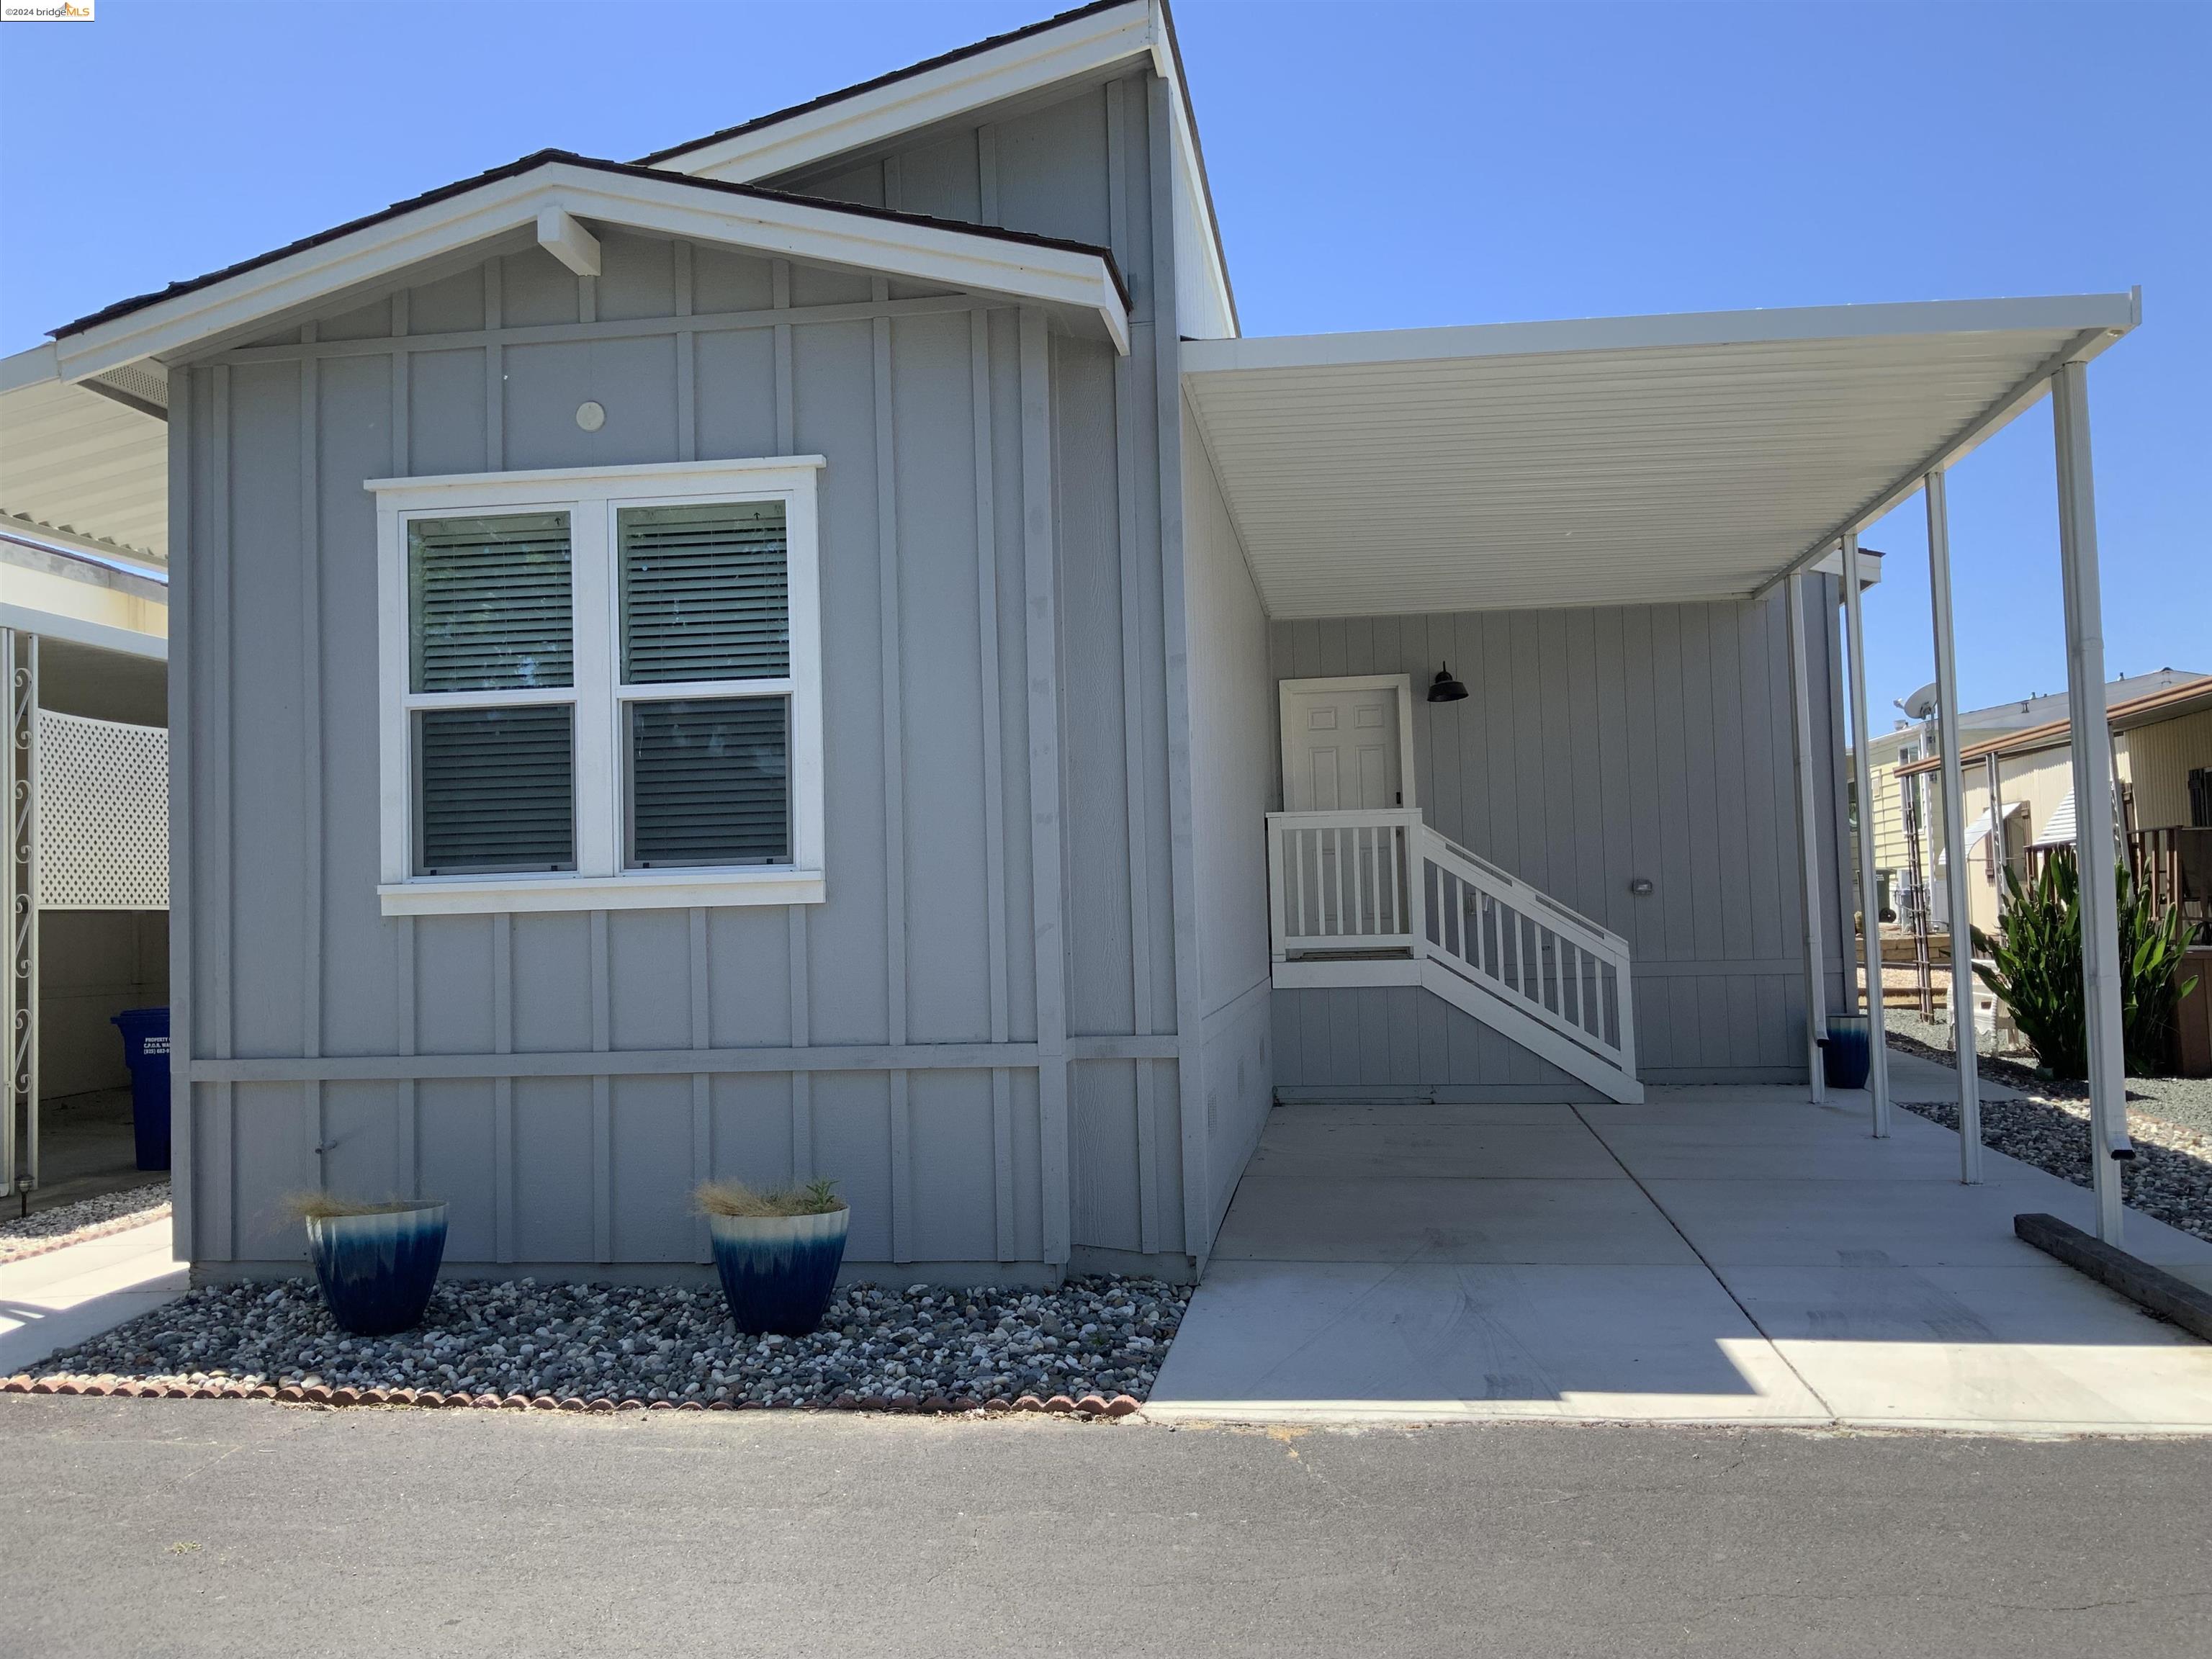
point(101, 799)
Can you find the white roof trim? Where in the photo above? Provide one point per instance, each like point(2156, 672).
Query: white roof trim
point(1869, 567)
point(1080, 46)
point(2113, 312)
point(910, 103)
point(1078, 285)
point(1607, 461)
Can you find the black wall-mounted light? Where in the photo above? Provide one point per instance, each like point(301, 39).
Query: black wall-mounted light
point(1445, 689)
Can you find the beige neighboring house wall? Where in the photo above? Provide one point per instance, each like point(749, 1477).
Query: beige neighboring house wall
point(1893, 753)
point(2162, 757)
point(2158, 738)
point(30, 582)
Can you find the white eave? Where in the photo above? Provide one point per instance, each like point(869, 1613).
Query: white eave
point(79, 469)
point(1083, 46)
point(1620, 460)
point(1078, 286)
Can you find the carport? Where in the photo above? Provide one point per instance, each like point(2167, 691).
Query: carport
point(1720, 455)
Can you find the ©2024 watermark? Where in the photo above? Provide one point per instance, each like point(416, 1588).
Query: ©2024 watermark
point(45, 11)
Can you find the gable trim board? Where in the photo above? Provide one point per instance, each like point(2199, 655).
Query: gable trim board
point(1086, 43)
point(1078, 284)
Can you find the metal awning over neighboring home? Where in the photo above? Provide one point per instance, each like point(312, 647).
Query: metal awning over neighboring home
point(1622, 460)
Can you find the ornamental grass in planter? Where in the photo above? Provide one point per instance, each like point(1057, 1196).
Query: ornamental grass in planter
point(777, 1252)
point(377, 1263)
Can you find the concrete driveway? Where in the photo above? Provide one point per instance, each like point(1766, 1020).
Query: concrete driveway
point(1715, 1255)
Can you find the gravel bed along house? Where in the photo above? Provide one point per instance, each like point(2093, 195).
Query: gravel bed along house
point(520, 1341)
point(2170, 1178)
point(88, 1218)
point(2184, 1102)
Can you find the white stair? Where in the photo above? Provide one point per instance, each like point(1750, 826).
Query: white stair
point(1379, 898)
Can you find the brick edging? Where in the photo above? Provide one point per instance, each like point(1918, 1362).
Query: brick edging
point(1059, 1404)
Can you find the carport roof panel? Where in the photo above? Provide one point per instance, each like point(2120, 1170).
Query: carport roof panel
point(1621, 460)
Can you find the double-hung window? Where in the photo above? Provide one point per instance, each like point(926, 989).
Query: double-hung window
point(600, 688)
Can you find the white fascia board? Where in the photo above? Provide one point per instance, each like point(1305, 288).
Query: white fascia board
point(2110, 314)
point(1082, 47)
point(913, 103)
point(29, 368)
point(1869, 566)
point(2089, 343)
point(1078, 284)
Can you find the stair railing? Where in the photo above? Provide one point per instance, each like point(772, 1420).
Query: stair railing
point(1347, 885)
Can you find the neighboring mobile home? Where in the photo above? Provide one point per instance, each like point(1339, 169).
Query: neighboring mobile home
point(822, 652)
point(2161, 727)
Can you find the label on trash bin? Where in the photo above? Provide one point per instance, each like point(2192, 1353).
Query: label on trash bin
point(154, 1045)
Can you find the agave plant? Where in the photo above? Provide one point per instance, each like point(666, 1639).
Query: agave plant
point(2035, 964)
point(2036, 967)
point(2151, 947)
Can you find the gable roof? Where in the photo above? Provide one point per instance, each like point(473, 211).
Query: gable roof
point(873, 113)
point(1074, 277)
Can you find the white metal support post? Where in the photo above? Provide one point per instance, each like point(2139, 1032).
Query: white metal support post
point(2092, 792)
point(10, 993)
point(1863, 780)
point(19, 926)
point(1956, 892)
point(1809, 844)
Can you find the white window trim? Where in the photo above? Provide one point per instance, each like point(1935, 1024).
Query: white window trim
point(591, 496)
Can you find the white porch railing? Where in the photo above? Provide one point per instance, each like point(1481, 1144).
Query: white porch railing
point(1348, 886)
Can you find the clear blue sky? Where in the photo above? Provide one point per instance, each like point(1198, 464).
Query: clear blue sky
point(1375, 166)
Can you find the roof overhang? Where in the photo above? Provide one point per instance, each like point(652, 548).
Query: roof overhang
point(1079, 45)
point(1619, 460)
point(80, 468)
point(1078, 285)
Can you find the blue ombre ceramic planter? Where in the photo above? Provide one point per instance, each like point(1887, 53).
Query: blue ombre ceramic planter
point(377, 1271)
point(1846, 1055)
point(778, 1270)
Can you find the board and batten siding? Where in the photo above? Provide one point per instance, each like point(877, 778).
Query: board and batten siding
point(993, 676)
point(1597, 746)
point(1234, 766)
point(1081, 167)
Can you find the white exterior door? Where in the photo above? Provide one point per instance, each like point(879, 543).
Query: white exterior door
point(1342, 748)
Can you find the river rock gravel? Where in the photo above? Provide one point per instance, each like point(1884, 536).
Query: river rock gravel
point(2169, 1179)
point(88, 1218)
point(877, 1347)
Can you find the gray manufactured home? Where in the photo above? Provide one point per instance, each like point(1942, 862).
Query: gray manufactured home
point(822, 653)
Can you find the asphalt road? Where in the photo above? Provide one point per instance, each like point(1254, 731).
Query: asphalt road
point(187, 1527)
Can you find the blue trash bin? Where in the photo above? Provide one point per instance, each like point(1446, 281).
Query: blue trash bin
point(146, 1047)
point(1847, 1054)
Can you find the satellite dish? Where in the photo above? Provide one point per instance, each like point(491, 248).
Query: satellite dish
point(1921, 705)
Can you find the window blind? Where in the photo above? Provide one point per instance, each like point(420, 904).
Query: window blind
point(704, 593)
point(710, 782)
point(488, 603)
point(495, 789)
